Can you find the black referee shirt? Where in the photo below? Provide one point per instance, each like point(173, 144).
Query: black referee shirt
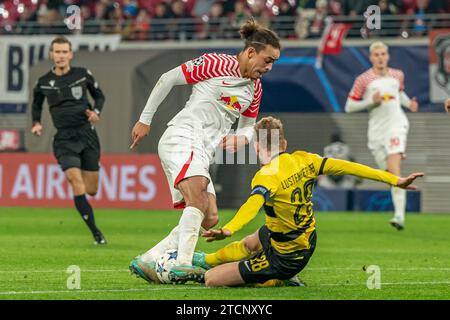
point(67, 97)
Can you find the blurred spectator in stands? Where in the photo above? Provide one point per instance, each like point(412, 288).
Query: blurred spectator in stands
point(56, 7)
point(387, 8)
point(95, 24)
point(141, 26)
point(305, 10)
point(229, 6)
point(183, 29)
point(406, 6)
point(214, 23)
point(240, 15)
point(283, 24)
point(130, 9)
point(115, 19)
point(307, 4)
point(338, 149)
point(27, 22)
point(129, 14)
point(158, 25)
point(388, 26)
point(357, 7)
point(259, 12)
point(202, 7)
point(317, 23)
point(417, 26)
point(335, 8)
point(86, 18)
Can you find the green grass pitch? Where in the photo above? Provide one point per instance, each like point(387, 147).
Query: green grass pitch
point(38, 245)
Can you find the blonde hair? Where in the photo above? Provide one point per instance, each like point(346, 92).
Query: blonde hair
point(377, 45)
point(269, 128)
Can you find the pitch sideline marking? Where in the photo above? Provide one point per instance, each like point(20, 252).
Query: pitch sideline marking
point(203, 288)
point(95, 290)
point(309, 269)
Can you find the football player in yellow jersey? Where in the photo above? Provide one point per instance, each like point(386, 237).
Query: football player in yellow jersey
point(283, 186)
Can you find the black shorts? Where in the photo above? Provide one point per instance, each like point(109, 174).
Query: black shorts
point(77, 148)
point(269, 264)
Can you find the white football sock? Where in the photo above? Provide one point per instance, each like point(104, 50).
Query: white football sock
point(168, 243)
point(189, 227)
point(399, 200)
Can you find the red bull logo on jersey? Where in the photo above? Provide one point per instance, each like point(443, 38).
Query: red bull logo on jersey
point(388, 97)
point(231, 103)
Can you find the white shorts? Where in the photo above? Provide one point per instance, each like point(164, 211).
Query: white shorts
point(183, 155)
point(392, 143)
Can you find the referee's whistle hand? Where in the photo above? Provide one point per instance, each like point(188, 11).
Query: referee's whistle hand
point(140, 130)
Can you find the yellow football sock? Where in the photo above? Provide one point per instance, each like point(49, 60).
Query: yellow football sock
point(234, 251)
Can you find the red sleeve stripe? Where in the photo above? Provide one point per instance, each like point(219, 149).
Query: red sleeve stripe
point(400, 76)
point(361, 83)
point(235, 68)
point(227, 65)
point(216, 69)
point(353, 97)
point(208, 64)
point(222, 64)
point(187, 75)
point(213, 65)
point(231, 66)
point(253, 109)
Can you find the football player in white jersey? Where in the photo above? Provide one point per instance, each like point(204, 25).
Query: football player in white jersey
point(225, 88)
point(380, 90)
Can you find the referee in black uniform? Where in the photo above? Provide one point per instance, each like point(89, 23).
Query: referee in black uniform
point(76, 145)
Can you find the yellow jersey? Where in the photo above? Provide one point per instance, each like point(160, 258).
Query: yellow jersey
point(284, 188)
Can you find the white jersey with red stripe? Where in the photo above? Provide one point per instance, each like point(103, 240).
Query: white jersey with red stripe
point(389, 116)
point(220, 95)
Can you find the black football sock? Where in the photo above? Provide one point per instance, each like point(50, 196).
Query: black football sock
point(86, 212)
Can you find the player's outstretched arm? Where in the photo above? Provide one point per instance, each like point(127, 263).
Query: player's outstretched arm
point(214, 234)
point(140, 130)
point(162, 88)
point(406, 183)
point(353, 105)
point(340, 167)
point(247, 212)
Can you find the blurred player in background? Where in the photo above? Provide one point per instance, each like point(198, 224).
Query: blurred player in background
point(225, 88)
point(381, 91)
point(447, 105)
point(76, 145)
point(283, 246)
